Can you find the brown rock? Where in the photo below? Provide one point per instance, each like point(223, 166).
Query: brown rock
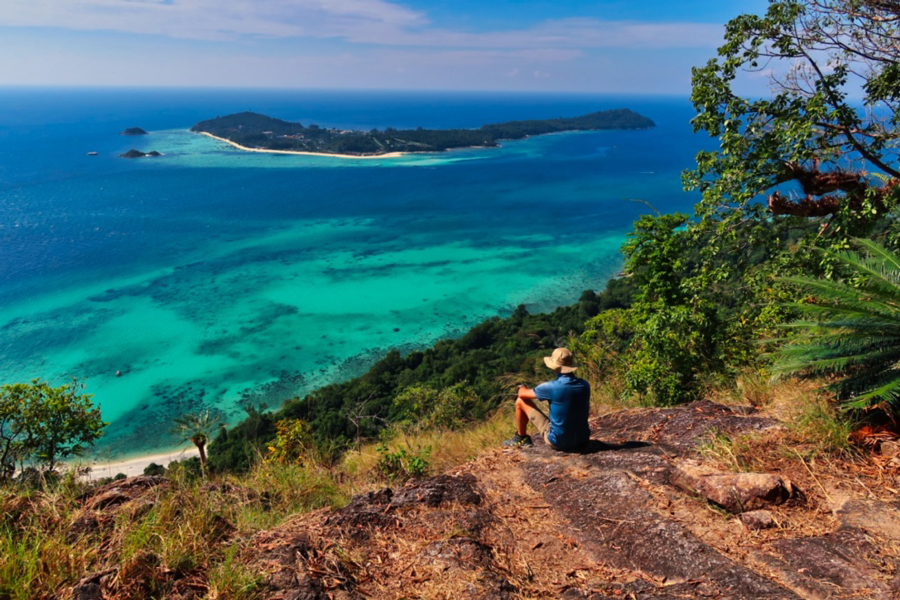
point(89, 587)
point(735, 492)
point(87, 591)
point(616, 519)
point(119, 492)
point(435, 490)
point(875, 518)
point(890, 449)
point(758, 519)
point(838, 565)
point(461, 553)
point(107, 499)
point(682, 427)
point(86, 524)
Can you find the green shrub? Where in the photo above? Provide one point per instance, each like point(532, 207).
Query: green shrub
point(400, 465)
point(293, 442)
point(154, 469)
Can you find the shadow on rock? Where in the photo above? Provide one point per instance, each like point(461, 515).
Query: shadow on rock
point(595, 446)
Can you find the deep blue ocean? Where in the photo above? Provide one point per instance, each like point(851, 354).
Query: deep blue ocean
point(210, 276)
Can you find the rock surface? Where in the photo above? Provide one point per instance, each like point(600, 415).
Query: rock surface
point(134, 131)
point(607, 522)
point(735, 492)
point(756, 520)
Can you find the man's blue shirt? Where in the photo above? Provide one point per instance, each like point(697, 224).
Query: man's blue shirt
point(570, 404)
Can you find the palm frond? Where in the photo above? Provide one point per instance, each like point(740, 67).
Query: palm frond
point(850, 329)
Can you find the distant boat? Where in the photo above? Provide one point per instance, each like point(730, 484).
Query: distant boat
point(92, 153)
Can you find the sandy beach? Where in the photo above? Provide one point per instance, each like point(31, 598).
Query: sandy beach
point(298, 153)
point(135, 466)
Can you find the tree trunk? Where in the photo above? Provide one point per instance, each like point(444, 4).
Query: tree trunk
point(202, 448)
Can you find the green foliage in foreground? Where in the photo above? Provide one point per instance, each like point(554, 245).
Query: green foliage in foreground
point(851, 327)
point(402, 464)
point(696, 316)
point(41, 424)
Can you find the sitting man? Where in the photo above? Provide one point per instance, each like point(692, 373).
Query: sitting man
point(569, 398)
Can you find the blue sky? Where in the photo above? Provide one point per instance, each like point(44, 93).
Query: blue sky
point(606, 46)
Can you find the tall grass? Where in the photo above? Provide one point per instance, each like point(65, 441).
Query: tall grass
point(449, 448)
point(35, 554)
point(231, 579)
point(824, 427)
point(189, 526)
point(813, 425)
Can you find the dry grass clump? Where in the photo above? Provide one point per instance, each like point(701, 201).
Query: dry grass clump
point(441, 448)
point(178, 539)
point(35, 553)
point(815, 449)
point(814, 425)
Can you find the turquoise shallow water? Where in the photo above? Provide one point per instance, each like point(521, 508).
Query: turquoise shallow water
point(210, 276)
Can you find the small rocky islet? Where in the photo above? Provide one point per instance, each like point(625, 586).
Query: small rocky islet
point(138, 154)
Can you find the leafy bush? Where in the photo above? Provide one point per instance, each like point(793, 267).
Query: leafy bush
point(400, 465)
point(185, 470)
point(293, 442)
point(154, 469)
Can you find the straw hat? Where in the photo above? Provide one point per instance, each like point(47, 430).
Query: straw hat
point(561, 360)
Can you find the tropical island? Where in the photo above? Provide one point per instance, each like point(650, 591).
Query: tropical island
point(253, 131)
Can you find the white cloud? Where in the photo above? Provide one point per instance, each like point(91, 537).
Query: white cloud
point(375, 22)
point(373, 44)
point(211, 19)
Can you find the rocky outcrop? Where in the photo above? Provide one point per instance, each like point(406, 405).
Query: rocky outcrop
point(735, 492)
point(133, 131)
point(138, 154)
point(627, 516)
point(682, 427)
point(134, 497)
point(440, 523)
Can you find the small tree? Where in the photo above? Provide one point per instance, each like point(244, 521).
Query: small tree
point(197, 429)
point(42, 424)
point(293, 443)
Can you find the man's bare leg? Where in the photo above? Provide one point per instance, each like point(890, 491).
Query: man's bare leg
point(522, 415)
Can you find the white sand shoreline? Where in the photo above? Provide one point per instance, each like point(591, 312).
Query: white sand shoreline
point(135, 465)
point(299, 153)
